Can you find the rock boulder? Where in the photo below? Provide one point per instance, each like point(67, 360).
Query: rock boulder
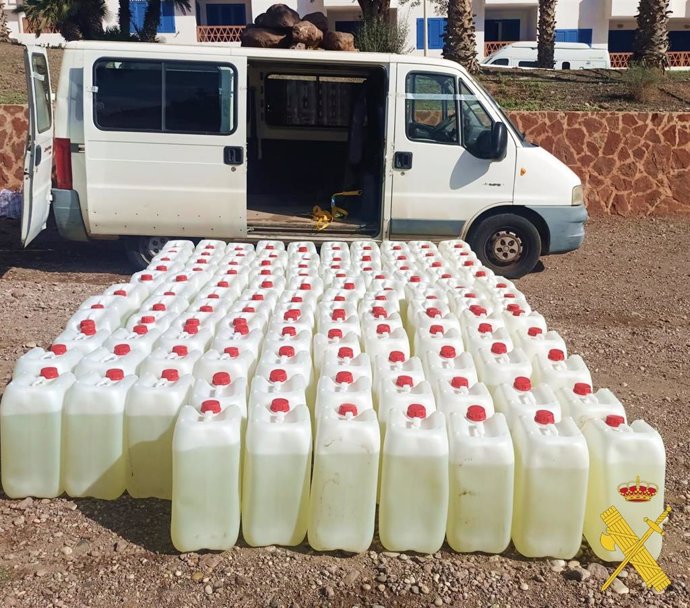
point(338, 41)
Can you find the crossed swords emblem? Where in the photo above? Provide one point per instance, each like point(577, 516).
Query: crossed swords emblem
point(620, 534)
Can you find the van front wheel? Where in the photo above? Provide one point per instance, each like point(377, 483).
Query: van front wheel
point(508, 244)
point(142, 249)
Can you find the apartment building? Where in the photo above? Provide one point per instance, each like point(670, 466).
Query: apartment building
point(600, 23)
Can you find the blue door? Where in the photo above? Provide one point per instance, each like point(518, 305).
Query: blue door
point(501, 30)
point(581, 35)
point(679, 40)
point(621, 41)
point(226, 14)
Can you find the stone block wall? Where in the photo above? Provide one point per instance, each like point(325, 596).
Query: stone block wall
point(13, 126)
point(632, 163)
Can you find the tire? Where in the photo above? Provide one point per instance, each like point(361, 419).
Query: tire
point(507, 243)
point(141, 249)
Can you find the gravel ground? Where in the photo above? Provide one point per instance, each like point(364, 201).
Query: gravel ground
point(622, 301)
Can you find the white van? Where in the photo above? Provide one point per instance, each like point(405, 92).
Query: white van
point(153, 141)
point(567, 56)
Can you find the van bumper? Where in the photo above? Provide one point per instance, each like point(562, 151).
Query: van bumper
point(68, 218)
point(566, 226)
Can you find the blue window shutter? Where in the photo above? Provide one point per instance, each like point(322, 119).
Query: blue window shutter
point(420, 33)
point(581, 35)
point(137, 10)
point(167, 23)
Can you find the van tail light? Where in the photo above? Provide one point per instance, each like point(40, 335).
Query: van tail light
point(63, 163)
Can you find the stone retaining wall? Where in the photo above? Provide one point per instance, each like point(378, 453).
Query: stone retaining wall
point(632, 163)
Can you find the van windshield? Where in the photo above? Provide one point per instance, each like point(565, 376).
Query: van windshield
point(499, 109)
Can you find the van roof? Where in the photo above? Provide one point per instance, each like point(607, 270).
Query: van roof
point(258, 53)
point(529, 44)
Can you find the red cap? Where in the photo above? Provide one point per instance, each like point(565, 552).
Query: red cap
point(477, 310)
point(379, 312)
point(209, 246)
point(448, 352)
point(383, 328)
point(380, 298)
point(476, 413)
point(257, 297)
point(213, 296)
point(404, 381)
point(348, 285)
point(366, 258)
point(119, 292)
point(479, 274)
point(236, 322)
point(415, 279)
point(344, 378)
point(190, 329)
point(614, 420)
point(266, 284)
point(544, 417)
point(436, 264)
point(510, 296)
point(221, 379)
point(556, 354)
point(347, 408)
point(396, 356)
point(501, 285)
point(296, 299)
point(582, 388)
point(289, 331)
point(232, 351)
point(485, 328)
point(516, 312)
point(87, 323)
point(345, 352)
point(280, 404)
point(265, 263)
point(338, 314)
point(210, 405)
point(146, 277)
point(180, 278)
point(180, 350)
point(521, 383)
point(366, 248)
point(534, 331)
point(335, 333)
point(446, 275)
point(380, 277)
point(277, 375)
point(88, 330)
point(115, 374)
point(158, 306)
point(58, 349)
point(205, 308)
point(433, 312)
point(513, 307)
point(140, 329)
point(147, 319)
point(121, 349)
point(97, 306)
point(436, 329)
point(243, 330)
point(162, 268)
point(49, 373)
point(499, 348)
point(292, 315)
point(305, 287)
point(339, 299)
point(459, 382)
point(222, 284)
point(470, 295)
point(302, 249)
point(286, 351)
point(416, 410)
point(172, 375)
point(468, 263)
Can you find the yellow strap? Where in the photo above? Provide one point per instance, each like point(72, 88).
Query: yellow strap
point(321, 217)
point(348, 193)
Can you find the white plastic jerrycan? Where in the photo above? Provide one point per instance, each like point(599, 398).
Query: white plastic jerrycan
point(98, 315)
point(131, 296)
point(399, 394)
point(194, 337)
point(238, 362)
point(206, 479)
point(123, 306)
point(223, 388)
point(277, 472)
point(140, 338)
point(287, 357)
point(242, 338)
point(482, 465)
point(84, 339)
point(344, 361)
point(535, 341)
point(435, 338)
point(150, 415)
point(343, 491)
point(264, 391)
point(342, 388)
point(551, 465)
point(581, 404)
point(331, 342)
point(179, 357)
point(518, 322)
point(57, 355)
point(31, 433)
point(158, 319)
point(484, 336)
point(414, 482)
point(627, 467)
point(521, 398)
point(383, 340)
point(457, 394)
point(495, 365)
point(558, 371)
point(93, 442)
point(389, 367)
point(121, 356)
point(441, 364)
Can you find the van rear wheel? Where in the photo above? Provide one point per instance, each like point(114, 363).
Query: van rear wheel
point(507, 243)
point(142, 249)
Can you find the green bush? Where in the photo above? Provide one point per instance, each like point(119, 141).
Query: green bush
point(643, 82)
point(378, 35)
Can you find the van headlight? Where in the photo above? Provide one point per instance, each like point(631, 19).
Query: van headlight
point(577, 197)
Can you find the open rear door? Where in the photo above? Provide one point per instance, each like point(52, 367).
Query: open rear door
point(38, 159)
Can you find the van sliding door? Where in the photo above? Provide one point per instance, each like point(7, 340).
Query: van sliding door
point(165, 144)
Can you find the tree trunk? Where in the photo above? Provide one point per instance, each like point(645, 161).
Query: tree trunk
point(374, 8)
point(152, 19)
point(4, 30)
point(460, 43)
point(124, 18)
point(651, 38)
point(90, 19)
point(546, 32)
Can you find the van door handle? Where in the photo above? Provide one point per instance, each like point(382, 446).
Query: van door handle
point(402, 160)
point(38, 155)
point(233, 155)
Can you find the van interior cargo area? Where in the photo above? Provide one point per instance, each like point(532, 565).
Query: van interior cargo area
point(315, 132)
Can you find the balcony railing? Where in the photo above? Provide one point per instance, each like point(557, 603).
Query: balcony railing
point(219, 33)
point(27, 28)
point(676, 59)
point(495, 45)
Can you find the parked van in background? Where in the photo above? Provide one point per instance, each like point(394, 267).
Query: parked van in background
point(153, 141)
point(568, 56)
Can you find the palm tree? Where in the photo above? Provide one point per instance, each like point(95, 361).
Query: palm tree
point(460, 42)
point(546, 34)
point(651, 39)
point(72, 19)
point(4, 30)
point(124, 18)
point(152, 18)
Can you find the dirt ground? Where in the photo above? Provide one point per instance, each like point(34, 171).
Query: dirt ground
point(622, 301)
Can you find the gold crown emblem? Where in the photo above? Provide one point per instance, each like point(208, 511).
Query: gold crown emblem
point(638, 491)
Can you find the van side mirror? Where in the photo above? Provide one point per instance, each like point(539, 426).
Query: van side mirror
point(499, 141)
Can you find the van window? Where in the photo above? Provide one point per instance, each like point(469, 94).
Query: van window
point(167, 97)
point(527, 64)
point(476, 122)
point(42, 87)
point(431, 108)
point(500, 61)
point(298, 100)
